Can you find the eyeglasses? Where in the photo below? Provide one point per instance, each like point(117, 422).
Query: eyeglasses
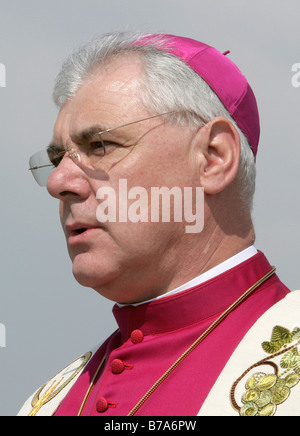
point(42, 163)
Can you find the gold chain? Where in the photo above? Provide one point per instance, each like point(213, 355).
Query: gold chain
point(91, 386)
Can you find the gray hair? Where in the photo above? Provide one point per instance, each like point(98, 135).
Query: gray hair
point(167, 84)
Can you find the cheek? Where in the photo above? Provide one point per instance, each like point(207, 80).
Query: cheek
point(161, 168)
point(62, 212)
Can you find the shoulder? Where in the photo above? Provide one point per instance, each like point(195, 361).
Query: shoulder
point(262, 377)
point(49, 396)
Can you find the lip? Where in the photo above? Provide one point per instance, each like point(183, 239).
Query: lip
point(79, 232)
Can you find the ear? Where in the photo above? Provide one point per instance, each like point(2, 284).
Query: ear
point(220, 149)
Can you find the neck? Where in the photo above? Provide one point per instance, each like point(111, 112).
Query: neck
point(213, 246)
point(194, 259)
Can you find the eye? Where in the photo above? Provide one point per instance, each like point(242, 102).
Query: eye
point(102, 147)
point(97, 148)
point(55, 155)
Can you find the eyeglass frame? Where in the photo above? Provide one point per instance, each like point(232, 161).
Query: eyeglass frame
point(75, 155)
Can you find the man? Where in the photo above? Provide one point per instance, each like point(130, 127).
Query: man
point(193, 307)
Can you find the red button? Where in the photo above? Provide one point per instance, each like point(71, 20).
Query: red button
point(117, 366)
point(137, 336)
point(102, 405)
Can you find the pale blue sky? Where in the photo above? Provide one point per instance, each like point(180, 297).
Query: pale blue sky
point(49, 318)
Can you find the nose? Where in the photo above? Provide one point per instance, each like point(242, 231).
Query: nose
point(68, 181)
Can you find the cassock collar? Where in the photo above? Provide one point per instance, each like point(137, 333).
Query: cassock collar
point(192, 305)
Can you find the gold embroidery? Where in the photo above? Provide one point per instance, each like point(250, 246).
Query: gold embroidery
point(56, 386)
point(44, 398)
point(266, 391)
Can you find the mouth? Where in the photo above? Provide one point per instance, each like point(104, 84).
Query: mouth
point(79, 232)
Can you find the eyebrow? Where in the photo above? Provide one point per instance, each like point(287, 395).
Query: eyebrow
point(87, 134)
point(55, 146)
point(83, 136)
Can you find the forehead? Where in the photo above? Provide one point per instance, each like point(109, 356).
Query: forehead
point(108, 97)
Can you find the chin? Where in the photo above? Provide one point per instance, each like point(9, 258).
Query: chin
point(90, 279)
point(107, 285)
point(97, 277)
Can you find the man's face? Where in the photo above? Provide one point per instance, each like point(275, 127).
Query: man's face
point(124, 261)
